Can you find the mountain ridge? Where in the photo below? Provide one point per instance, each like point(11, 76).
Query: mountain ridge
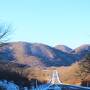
point(37, 54)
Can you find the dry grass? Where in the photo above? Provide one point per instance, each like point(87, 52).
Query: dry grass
point(66, 74)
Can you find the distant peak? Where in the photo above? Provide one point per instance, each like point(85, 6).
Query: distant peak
point(63, 48)
point(82, 48)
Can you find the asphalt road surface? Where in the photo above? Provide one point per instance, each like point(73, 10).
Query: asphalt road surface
point(72, 87)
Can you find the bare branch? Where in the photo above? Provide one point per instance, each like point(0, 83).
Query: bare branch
point(4, 33)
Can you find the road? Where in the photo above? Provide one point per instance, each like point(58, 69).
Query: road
point(73, 87)
point(55, 84)
point(61, 87)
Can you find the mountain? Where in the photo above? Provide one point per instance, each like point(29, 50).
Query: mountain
point(81, 51)
point(29, 61)
point(82, 48)
point(63, 48)
point(40, 55)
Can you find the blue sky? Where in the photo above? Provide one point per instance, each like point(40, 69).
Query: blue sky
point(50, 22)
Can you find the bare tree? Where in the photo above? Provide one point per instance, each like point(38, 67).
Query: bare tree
point(4, 33)
point(81, 74)
point(84, 68)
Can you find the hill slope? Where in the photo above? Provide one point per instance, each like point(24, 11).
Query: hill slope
point(36, 54)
